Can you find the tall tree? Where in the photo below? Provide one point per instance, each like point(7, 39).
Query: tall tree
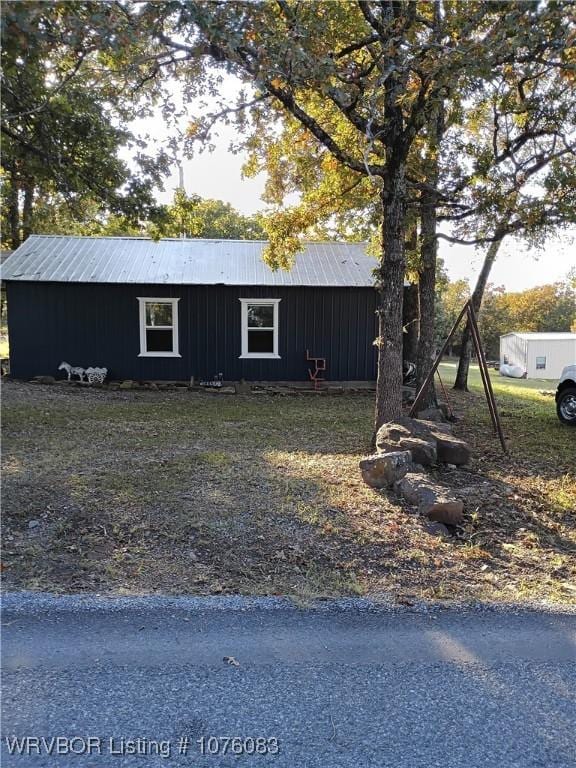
point(450, 298)
point(64, 116)
point(545, 308)
point(381, 65)
point(194, 216)
point(518, 173)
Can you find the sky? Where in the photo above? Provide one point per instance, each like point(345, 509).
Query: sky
point(218, 174)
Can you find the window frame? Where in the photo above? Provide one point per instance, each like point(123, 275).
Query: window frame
point(540, 357)
point(142, 301)
point(245, 303)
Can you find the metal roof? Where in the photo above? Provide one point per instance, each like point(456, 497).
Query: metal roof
point(551, 336)
point(54, 258)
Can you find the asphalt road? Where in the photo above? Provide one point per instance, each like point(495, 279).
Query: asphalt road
point(345, 684)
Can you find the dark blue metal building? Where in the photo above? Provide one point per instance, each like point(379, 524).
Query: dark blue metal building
point(173, 309)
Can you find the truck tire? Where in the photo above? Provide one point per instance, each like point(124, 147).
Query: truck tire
point(566, 406)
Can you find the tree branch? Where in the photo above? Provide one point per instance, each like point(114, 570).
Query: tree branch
point(287, 100)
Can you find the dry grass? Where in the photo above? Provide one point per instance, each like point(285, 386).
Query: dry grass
point(195, 493)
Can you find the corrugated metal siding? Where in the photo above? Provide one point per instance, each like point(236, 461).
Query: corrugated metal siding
point(44, 258)
point(92, 324)
point(513, 350)
point(523, 348)
point(558, 353)
point(548, 336)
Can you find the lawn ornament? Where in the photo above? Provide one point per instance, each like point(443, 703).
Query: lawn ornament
point(217, 381)
point(96, 375)
point(72, 370)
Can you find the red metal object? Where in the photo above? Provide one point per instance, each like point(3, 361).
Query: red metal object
point(319, 367)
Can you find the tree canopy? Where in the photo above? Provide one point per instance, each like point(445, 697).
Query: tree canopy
point(64, 118)
point(194, 216)
point(544, 308)
point(363, 79)
point(550, 307)
point(381, 114)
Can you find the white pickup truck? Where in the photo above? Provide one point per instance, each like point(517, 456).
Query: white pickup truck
point(566, 396)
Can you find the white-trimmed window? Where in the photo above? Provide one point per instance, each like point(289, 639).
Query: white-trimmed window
point(260, 328)
point(158, 327)
point(540, 363)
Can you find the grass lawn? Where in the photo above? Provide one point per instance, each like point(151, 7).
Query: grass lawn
point(528, 411)
point(501, 384)
point(198, 493)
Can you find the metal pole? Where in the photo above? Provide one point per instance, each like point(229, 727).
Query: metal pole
point(440, 355)
point(486, 377)
point(483, 375)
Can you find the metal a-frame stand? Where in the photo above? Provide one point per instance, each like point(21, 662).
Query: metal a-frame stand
point(468, 311)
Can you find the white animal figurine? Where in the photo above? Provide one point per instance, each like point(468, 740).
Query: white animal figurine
point(72, 370)
point(96, 375)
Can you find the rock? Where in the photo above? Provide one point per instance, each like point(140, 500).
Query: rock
point(33, 524)
point(446, 410)
point(418, 490)
point(405, 426)
point(227, 390)
point(408, 434)
point(427, 440)
point(431, 498)
point(423, 451)
point(243, 388)
point(437, 529)
point(382, 470)
point(452, 450)
point(438, 428)
point(389, 434)
point(44, 380)
point(386, 446)
point(432, 414)
point(451, 512)
point(127, 384)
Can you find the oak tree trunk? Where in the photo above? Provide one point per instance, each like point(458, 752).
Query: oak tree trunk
point(410, 324)
point(426, 296)
point(390, 284)
point(27, 209)
point(429, 248)
point(13, 212)
point(461, 381)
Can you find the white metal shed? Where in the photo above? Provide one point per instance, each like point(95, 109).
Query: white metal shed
point(540, 355)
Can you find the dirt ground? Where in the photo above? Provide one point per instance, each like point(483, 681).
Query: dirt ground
point(201, 493)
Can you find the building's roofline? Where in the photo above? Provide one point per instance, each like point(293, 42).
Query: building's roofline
point(193, 239)
point(185, 261)
point(551, 335)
